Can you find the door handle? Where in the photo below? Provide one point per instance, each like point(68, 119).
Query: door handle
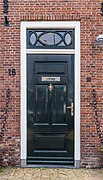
point(72, 108)
point(50, 87)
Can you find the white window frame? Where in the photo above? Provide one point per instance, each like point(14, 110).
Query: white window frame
point(24, 52)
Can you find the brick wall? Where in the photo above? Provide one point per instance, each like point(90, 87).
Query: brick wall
point(88, 13)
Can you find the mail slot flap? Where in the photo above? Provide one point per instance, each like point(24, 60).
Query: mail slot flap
point(50, 79)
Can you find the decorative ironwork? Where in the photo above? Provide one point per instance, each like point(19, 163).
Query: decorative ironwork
point(99, 132)
point(89, 79)
point(50, 38)
point(6, 23)
point(102, 8)
point(94, 99)
point(5, 115)
point(5, 5)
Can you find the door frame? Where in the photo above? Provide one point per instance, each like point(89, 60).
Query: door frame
point(24, 52)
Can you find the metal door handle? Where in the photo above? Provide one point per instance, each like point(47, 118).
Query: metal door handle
point(72, 108)
point(50, 87)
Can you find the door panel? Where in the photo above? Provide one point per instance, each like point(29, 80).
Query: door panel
point(41, 104)
point(59, 104)
point(50, 68)
point(50, 118)
point(49, 142)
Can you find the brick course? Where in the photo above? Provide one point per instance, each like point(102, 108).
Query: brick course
point(88, 13)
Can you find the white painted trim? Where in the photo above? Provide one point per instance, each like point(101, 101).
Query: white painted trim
point(23, 94)
point(24, 51)
point(50, 24)
point(48, 51)
point(77, 92)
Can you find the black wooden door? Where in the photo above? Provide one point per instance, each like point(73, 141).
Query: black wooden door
point(50, 109)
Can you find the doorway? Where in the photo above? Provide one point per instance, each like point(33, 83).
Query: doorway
point(50, 94)
point(50, 109)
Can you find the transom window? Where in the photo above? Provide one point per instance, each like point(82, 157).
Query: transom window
point(50, 39)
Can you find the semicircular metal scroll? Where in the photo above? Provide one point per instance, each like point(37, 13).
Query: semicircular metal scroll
point(5, 114)
point(99, 131)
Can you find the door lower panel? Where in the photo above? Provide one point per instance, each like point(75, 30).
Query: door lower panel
point(49, 142)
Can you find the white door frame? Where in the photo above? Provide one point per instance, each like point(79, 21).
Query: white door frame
point(24, 52)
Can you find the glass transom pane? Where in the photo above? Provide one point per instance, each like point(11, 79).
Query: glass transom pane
point(50, 39)
point(32, 39)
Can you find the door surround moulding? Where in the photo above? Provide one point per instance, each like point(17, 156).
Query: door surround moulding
point(24, 52)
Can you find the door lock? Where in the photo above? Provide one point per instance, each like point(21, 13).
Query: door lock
point(72, 108)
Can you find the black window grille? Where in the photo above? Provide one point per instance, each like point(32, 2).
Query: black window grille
point(50, 39)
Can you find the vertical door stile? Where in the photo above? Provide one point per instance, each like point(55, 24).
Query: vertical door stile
point(46, 103)
point(36, 104)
